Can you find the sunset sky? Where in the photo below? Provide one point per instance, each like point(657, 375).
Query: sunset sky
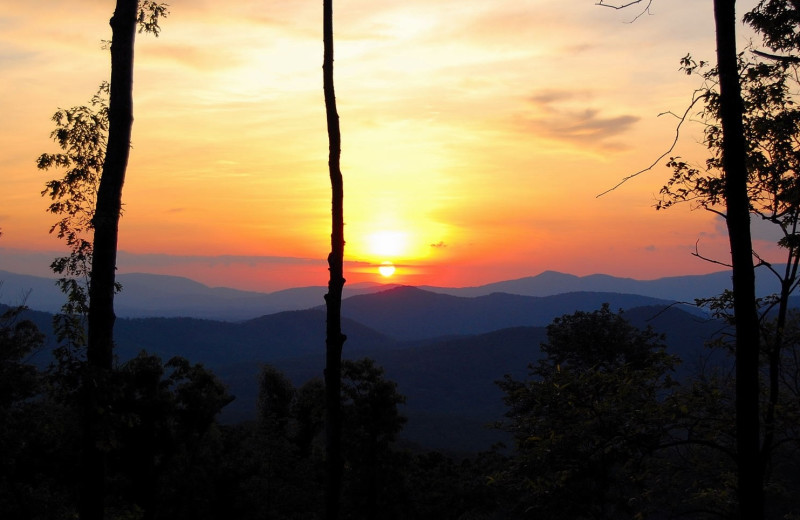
point(476, 138)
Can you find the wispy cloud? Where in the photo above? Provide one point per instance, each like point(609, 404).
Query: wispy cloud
point(15, 260)
point(248, 272)
point(552, 115)
point(127, 260)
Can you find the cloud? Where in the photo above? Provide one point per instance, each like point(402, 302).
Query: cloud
point(18, 259)
point(544, 99)
point(246, 272)
point(165, 260)
point(140, 260)
point(763, 230)
point(553, 117)
point(206, 58)
point(439, 245)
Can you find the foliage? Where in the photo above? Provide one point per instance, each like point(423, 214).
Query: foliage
point(588, 419)
point(370, 405)
point(34, 433)
point(772, 126)
point(777, 22)
point(440, 487)
point(149, 15)
point(276, 395)
point(308, 411)
point(772, 130)
point(163, 417)
point(771, 123)
point(700, 454)
point(18, 340)
point(290, 424)
point(81, 133)
point(370, 423)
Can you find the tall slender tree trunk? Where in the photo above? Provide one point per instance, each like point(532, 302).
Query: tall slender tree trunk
point(102, 280)
point(734, 156)
point(334, 338)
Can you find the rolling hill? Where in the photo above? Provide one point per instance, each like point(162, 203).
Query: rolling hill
point(409, 313)
point(444, 352)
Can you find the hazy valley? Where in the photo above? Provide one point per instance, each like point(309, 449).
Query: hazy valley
point(445, 348)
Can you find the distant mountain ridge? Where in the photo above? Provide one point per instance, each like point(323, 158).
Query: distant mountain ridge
point(676, 288)
point(153, 295)
point(409, 313)
point(149, 295)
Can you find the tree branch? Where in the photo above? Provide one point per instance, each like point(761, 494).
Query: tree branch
point(628, 4)
point(782, 59)
point(668, 307)
point(701, 257)
point(623, 6)
point(681, 120)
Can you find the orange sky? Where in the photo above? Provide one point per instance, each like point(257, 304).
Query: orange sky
point(476, 138)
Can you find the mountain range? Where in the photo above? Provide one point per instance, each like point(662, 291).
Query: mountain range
point(149, 295)
point(444, 351)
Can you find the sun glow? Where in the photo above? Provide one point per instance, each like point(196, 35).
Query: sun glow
point(388, 243)
point(386, 269)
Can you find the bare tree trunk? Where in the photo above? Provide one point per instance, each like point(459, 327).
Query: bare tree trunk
point(334, 337)
point(102, 281)
point(734, 157)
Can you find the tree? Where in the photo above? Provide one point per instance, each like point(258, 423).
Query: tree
point(80, 133)
point(105, 221)
point(36, 433)
point(289, 424)
point(333, 299)
point(777, 22)
point(276, 396)
point(90, 147)
point(19, 338)
point(734, 164)
point(588, 420)
point(284, 482)
point(772, 126)
point(733, 160)
point(163, 415)
point(309, 414)
point(20, 381)
point(771, 123)
point(372, 420)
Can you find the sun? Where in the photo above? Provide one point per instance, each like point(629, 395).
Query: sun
point(388, 243)
point(386, 269)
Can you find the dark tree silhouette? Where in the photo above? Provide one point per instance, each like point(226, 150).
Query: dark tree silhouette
point(734, 163)
point(333, 299)
point(372, 421)
point(771, 124)
point(588, 420)
point(105, 221)
point(102, 281)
